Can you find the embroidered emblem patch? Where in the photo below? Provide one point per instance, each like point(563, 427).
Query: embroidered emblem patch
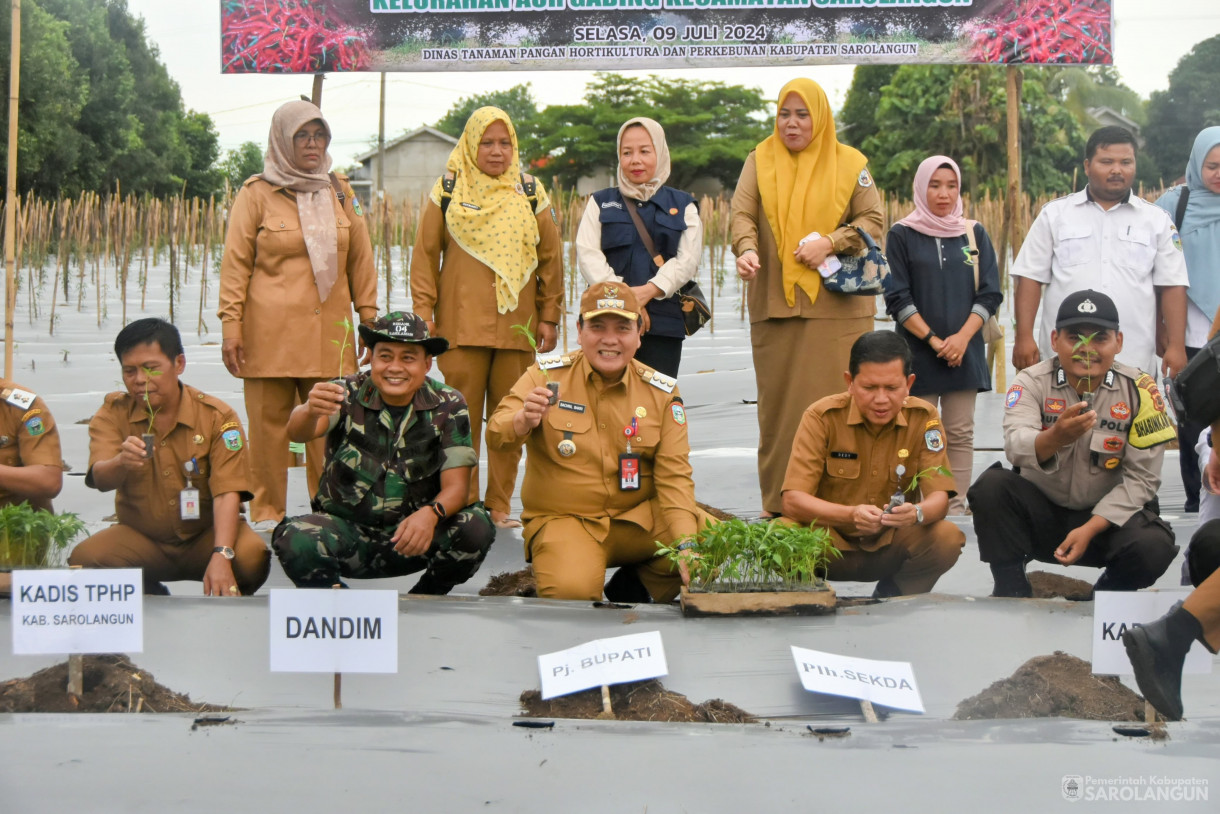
point(934, 440)
point(232, 439)
point(1055, 406)
point(678, 413)
point(865, 180)
point(1014, 395)
point(1112, 463)
point(356, 206)
point(35, 426)
point(1113, 443)
point(1120, 411)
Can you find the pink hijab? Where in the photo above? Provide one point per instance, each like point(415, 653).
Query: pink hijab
point(922, 220)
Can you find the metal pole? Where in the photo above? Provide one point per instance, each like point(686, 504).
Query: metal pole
point(10, 193)
point(381, 142)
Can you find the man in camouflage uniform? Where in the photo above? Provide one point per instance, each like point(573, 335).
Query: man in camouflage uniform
point(392, 498)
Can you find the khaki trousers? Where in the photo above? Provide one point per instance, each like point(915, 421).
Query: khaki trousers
point(268, 405)
point(484, 376)
point(914, 559)
point(123, 547)
point(1204, 604)
point(957, 418)
point(570, 563)
point(796, 362)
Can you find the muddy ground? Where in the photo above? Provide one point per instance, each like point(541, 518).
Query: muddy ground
point(511, 583)
point(636, 701)
point(1056, 686)
point(111, 684)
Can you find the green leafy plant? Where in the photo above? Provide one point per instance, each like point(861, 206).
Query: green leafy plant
point(931, 470)
point(149, 375)
point(526, 331)
point(35, 537)
point(736, 556)
point(1083, 351)
point(343, 344)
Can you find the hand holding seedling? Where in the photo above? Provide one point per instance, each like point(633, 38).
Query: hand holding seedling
point(533, 408)
point(867, 519)
point(1077, 420)
point(131, 453)
point(325, 399)
point(900, 516)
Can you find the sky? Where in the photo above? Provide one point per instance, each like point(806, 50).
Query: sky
point(1149, 41)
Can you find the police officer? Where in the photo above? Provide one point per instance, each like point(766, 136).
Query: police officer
point(1158, 650)
point(844, 474)
point(392, 498)
point(1085, 434)
point(608, 471)
point(178, 503)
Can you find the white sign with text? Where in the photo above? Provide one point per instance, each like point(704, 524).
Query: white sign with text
point(78, 610)
point(888, 683)
point(603, 661)
point(327, 631)
point(1116, 611)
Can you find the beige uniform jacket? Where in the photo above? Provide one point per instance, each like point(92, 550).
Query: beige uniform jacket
point(268, 296)
point(1101, 471)
point(838, 458)
point(765, 295)
point(207, 431)
point(459, 293)
point(28, 436)
point(586, 485)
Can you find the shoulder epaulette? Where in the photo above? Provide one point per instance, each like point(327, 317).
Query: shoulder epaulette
point(18, 397)
point(552, 362)
point(657, 379)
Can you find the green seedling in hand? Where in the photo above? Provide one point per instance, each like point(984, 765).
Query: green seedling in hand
point(931, 470)
point(1084, 344)
point(149, 374)
point(528, 333)
point(346, 325)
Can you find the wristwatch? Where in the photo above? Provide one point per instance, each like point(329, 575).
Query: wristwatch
point(918, 514)
point(225, 550)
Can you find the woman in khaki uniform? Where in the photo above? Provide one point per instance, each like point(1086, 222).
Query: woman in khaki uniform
point(799, 194)
point(297, 258)
point(487, 257)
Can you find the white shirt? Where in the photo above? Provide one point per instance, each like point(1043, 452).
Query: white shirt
point(1123, 252)
point(677, 271)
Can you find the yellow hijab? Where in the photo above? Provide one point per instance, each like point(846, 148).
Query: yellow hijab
point(489, 216)
point(806, 191)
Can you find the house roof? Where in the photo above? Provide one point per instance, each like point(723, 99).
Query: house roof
point(420, 131)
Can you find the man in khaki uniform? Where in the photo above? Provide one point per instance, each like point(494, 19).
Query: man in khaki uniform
point(282, 334)
point(844, 474)
point(31, 465)
point(588, 501)
point(1158, 650)
point(1085, 489)
point(178, 506)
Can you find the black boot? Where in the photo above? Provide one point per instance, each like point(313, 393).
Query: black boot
point(429, 585)
point(886, 588)
point(1157, 651)
point(625, 587)
point(1010, 580)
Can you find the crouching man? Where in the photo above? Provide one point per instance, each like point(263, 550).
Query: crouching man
point(844, 471)
point(607, 473)
point(1084, 491)
point(178, 503)
point(392, 497)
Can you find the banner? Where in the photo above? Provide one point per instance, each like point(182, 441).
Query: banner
point(316, 36)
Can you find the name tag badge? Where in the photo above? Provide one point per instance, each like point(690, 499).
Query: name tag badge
point(188, 502)
point(629, 472)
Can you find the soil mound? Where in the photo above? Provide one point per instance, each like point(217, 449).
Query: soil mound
point(636, 701)
point(719, 514)
point(111, 683)
point(511, 583)
point(1057, 686)
point(1053, 586)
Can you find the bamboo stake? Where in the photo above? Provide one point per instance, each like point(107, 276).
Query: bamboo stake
point(338, 676)
point(76, 667)
point(870, 714)
point(10, 192)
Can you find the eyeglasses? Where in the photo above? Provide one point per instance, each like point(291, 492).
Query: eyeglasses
point(303, 138)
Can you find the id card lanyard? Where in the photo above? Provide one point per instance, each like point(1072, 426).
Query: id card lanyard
point(629, 462)
point(188, 499)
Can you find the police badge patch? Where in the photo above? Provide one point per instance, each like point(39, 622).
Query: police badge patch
point(1014, 395)
point(934, 440)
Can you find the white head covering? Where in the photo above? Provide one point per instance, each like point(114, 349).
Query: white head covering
point(644, 191)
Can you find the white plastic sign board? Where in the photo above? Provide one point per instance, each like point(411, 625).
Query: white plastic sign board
point(603, 661)
point(328, 631)
point(888, 683)
point(78, 610)
point(1116, 611)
